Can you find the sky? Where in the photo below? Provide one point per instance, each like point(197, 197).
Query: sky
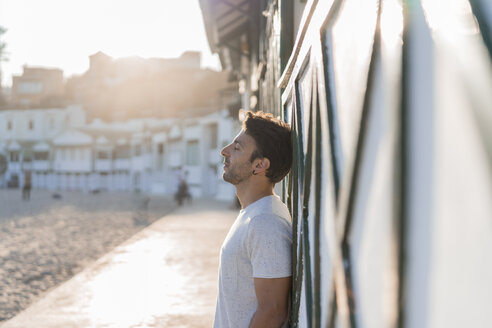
point(64, 33)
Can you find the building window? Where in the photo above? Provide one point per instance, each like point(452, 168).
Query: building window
point(14, 156)
point(102, 154)
point(122, 151)
point(30, 87)
point(31, 124)
point(213, 136)
point(160, 157)
point(9, 125)
point(41, 156)
point(192, 153)
point(138, 150)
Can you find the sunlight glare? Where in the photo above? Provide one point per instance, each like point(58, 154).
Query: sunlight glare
point(392, 23)
point(450, 19)
point(38, 35)
point(115, 306)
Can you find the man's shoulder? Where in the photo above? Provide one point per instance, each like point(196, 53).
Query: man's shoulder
point(269, 221)
point(280, 209)
point(270, 206)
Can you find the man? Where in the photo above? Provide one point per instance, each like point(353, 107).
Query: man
point(26, 190)
point(178, 177)
point(255, 259)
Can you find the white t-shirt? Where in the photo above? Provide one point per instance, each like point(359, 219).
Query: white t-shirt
point(259, 245)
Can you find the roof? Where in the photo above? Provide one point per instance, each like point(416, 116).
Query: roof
point(26, 147)
point(104, 143)
point(41, 146)
point(100, 54)
point(72, 138)
point(102, 140)
point(13, 146)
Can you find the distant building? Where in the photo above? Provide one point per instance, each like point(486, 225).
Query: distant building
point(65, 153)
point(37, 87)
point(100, 64)
point(113, 71)
point(132, 87)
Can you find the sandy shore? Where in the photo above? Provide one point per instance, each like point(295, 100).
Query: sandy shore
point(45, 241)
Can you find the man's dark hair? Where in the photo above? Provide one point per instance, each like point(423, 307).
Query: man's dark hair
point(273, 141)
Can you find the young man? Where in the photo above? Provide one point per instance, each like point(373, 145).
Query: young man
point(255, 259)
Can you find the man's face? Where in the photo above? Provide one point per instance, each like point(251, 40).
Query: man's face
point(237, 155)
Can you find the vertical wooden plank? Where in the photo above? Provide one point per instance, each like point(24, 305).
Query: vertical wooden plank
point(286, 8)
point(317, 153)
point(297, 170)
point(305, 215)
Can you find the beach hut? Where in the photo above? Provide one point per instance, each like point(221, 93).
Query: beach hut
point(73, 160)
point(41, 164)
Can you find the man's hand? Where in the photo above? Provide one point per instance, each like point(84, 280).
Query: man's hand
point(272, 295)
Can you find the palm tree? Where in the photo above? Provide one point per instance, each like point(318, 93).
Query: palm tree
point(3, 45)
point(3, 57)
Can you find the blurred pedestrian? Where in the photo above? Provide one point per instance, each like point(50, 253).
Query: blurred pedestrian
point(26, 189)
point(183, 192)
point(178, 177)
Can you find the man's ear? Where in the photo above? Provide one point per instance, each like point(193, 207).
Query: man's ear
point(262, 165)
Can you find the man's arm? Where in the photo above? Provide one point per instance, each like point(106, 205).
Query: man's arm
point(272, 295)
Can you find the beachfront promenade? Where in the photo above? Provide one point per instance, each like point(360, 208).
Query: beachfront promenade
point(163, 276)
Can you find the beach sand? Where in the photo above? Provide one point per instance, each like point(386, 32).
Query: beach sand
point(45, 241)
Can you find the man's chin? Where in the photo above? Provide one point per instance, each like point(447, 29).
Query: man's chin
point(227, 178)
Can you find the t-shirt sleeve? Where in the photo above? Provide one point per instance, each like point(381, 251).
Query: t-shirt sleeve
point(270, 246)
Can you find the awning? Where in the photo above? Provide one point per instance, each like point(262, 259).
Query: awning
point(41, 147)
point(72, 138)
point(14, 146)
point(227, 24)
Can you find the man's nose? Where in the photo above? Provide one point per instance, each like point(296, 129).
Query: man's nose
point(225, 151)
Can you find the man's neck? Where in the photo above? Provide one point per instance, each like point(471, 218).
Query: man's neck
point(251, 191)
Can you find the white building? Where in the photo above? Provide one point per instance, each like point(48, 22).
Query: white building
point(26, 135)
point(64, 153)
